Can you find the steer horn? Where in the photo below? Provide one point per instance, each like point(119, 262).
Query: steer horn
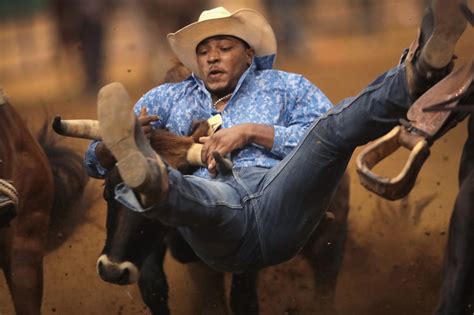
point(89, 129)
point(77, 128)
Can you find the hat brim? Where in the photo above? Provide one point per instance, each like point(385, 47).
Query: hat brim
point(246, 24)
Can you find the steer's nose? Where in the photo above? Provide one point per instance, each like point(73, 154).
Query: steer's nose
point(117, 272)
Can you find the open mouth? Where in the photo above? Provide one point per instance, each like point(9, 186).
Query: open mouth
point(214, 74)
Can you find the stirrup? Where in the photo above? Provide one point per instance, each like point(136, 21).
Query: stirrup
point(417, 134)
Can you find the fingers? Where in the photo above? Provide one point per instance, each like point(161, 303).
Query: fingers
point(205, 148)
point(208, 146)
point(211, 165)
point(145, 120)
point(147, 129)
point(212, 145)
point(203, 139)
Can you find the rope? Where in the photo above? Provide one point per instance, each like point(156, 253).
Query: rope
point(7, 189)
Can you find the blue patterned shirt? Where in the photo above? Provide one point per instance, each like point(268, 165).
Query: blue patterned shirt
point(286, 101)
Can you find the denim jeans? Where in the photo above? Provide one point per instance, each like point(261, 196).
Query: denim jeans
point(259, 217)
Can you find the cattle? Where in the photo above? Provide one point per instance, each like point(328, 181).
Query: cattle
point(48, 179)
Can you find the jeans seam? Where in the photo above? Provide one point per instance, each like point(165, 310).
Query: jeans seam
point(251, 198)
point(254, 205)
point(125, 202)
point(204, 204)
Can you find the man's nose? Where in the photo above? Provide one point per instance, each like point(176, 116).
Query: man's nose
point(213, 57)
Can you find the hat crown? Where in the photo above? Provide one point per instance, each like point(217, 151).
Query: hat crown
point(216, 13)
point(246, 24)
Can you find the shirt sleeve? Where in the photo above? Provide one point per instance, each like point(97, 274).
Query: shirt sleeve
point(91, 164)
point(307, 105)
point(156, 102)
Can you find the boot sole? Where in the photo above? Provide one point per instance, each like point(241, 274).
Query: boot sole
point(119, 128)
point(449, 24)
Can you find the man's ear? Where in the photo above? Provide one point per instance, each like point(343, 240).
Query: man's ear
point(250, 54)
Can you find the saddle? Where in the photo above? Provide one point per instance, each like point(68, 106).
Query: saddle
point(8, 202)
point(432, 115)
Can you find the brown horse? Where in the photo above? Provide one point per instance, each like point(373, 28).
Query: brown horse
point(457, 291)
point(44, 184)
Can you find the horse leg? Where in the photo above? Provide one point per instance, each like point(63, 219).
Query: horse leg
point(179, 248)
point(243, 294)
point(325, 249)
point(153, 284)
point(457, 293)
point(210, 283)
point(25, 278)
point(324, 252)
point(210, 289)
point(459, 260)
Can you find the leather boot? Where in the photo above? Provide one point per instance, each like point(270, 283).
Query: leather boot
point(138, 164)
point(430, 57)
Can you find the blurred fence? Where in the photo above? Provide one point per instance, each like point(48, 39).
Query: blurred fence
point(19, 8)
point(134, 50)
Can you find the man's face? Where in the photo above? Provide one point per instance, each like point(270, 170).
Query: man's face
point(222, 60)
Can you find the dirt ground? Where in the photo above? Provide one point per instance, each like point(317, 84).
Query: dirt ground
point(393, 258)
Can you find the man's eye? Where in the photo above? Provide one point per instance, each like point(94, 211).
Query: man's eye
point(202, 52)
point(226, 48)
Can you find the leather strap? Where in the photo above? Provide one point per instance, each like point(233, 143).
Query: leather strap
point(448, 91)
point(417, 134)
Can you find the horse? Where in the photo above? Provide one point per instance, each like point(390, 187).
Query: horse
point(48, 179)
point(135, 246)
point(457, 292)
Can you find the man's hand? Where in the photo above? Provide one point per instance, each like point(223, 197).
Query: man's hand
point(223, 141)
point(146, 120)
point(230, 139)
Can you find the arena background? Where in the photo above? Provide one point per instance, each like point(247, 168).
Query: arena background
point(393, 260)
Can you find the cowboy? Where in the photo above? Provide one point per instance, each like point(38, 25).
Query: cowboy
point(288, 145)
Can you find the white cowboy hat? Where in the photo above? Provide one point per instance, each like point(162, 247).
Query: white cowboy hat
point(246, 24)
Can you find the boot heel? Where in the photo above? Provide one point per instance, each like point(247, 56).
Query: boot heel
point(449, 24)
point(135, 170)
